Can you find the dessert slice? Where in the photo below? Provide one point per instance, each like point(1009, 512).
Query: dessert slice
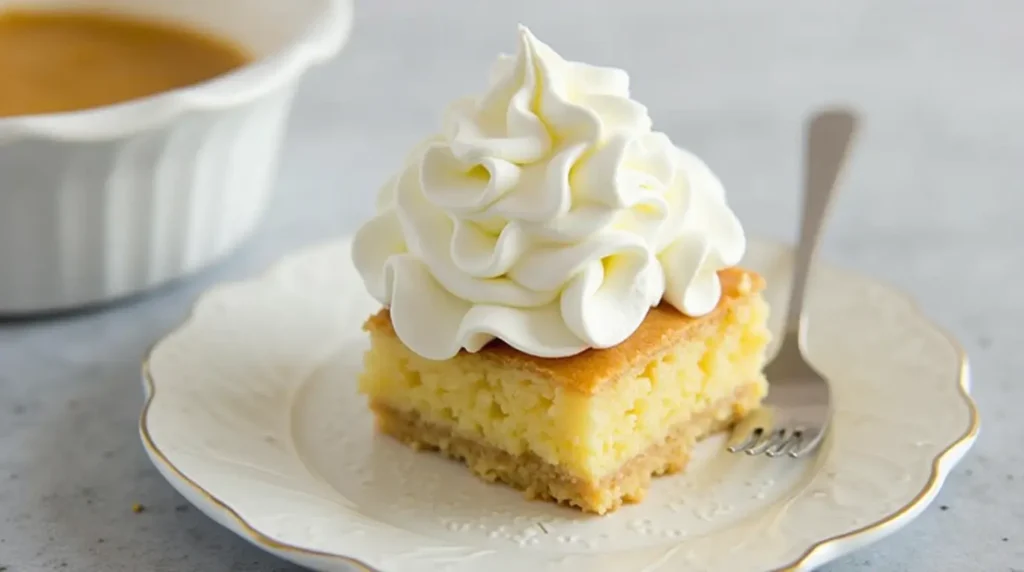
point(589, 430)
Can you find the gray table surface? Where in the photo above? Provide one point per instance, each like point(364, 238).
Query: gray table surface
point(934, 204)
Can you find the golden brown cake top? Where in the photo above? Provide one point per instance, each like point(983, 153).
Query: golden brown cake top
point(664, 327)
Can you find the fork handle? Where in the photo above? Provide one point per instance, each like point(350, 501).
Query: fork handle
point(828, 138)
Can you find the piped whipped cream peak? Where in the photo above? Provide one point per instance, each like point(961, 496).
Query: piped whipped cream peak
point(546, 214)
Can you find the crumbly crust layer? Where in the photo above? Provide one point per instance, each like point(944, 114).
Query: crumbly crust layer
point(589, 371)
point(541, 480)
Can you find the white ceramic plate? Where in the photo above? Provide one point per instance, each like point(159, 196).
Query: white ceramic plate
point(252, 414)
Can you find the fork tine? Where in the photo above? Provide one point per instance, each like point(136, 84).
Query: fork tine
point(788, 444)
point(751, 439)
point(767, 441)
point(807, 445)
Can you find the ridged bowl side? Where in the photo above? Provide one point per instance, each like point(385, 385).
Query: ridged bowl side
point(85, 222)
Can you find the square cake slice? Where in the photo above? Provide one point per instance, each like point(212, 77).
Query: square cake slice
point(589, 430)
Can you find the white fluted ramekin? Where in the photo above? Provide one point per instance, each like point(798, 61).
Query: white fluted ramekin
point(103, 203)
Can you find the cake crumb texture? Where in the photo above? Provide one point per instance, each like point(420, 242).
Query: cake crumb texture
point(677, 376)
point(542, 481)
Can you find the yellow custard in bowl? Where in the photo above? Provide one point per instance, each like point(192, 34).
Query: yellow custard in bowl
point(139, 139)
point(53, 62)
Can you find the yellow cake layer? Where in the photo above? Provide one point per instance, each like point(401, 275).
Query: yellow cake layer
point(590, 419)
point(542, 480)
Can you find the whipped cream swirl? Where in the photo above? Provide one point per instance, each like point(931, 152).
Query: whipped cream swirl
point(549, 215)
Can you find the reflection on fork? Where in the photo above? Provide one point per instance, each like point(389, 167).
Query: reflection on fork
point(796, 414)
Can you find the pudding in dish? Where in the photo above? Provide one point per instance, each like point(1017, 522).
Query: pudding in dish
point(562, 310)
point(53, 62)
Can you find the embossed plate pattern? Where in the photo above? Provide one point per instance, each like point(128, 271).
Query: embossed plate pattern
point(252, 414)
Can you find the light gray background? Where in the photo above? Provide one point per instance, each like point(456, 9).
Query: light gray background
point(934, 204)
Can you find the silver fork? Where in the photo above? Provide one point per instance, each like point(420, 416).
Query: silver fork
point(797, 411)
